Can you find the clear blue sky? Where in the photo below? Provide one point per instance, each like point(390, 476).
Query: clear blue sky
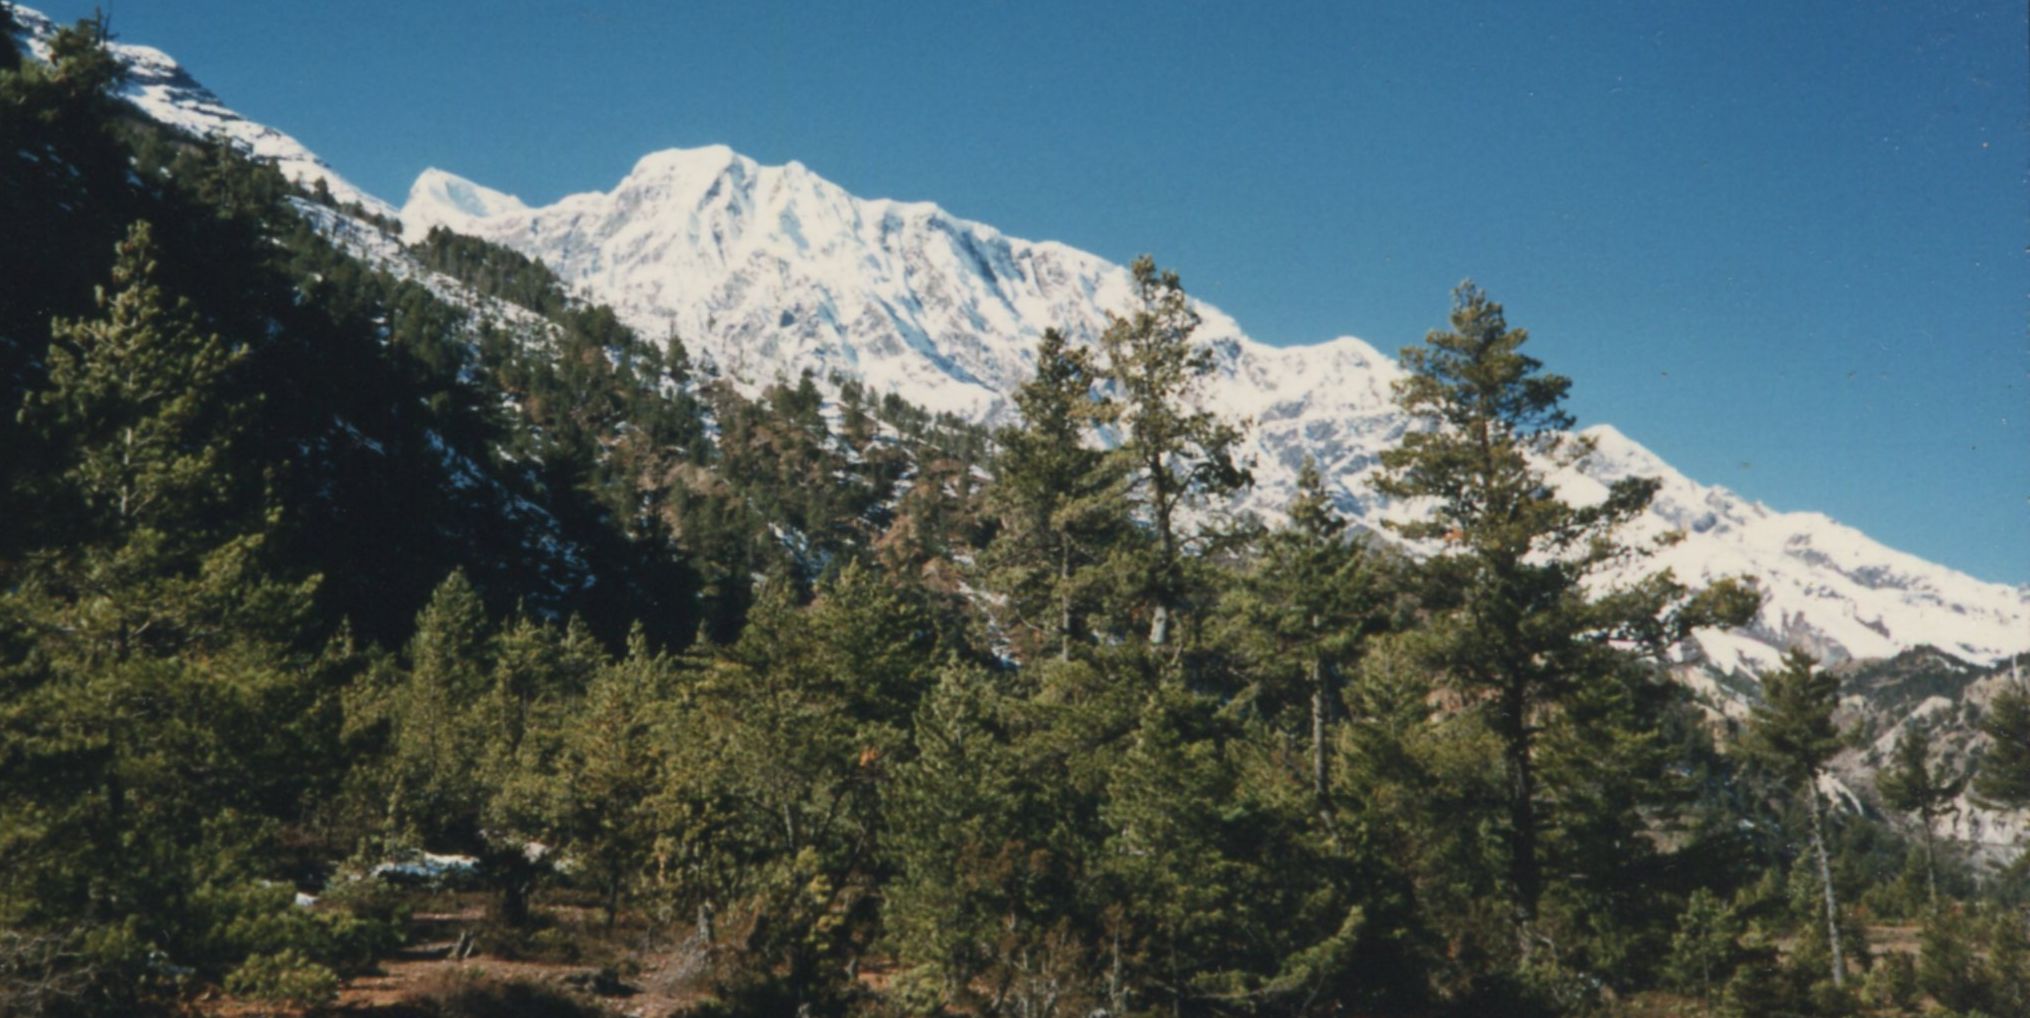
point(1783, 244)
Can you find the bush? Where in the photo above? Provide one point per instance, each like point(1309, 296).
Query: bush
point(469, 993)
point(252, 919)
point(368, 899)
point(1892, 983)
point(285, 977)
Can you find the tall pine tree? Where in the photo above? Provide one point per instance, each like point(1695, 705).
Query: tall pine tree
point(1793, 735)
point(1058, 502)
point(2004, 776)
point(1519, 635)
point(1913, 785)
point(1301, 612)
point(1179, 457)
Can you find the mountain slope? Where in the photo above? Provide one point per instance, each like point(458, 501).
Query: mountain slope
point(772, 270)
point(160, 87)
point(769, 271)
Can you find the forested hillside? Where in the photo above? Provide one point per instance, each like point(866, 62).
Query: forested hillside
point(340, 607)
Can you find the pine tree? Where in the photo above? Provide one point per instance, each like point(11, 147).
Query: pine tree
point(433, 784)
point(1518, 633)
point(136, 403)
point(983, 907)
point(1793, 735)
point(612, 767)
point(1302, 610)
point(792, 736)
point(81, 63)
point(2004, 776)
point(158, 716)
point(1177, 456)
point(1706, 948)
point(540, 674)
point(1910, 785)
point(1058, 503)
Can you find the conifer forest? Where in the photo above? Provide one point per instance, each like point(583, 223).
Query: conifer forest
point(499, 657)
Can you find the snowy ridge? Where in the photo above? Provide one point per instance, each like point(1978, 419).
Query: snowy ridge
point(1827, 587)
point(767, 271)
point(161, 88)
point(772, 270)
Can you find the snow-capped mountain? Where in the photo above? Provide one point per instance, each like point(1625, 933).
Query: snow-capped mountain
point(772, 270)
point(766, 271)
point(161, 88)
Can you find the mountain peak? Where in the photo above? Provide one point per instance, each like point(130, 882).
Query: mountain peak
point(705, 162)
point(769, 271)
point(441, 198)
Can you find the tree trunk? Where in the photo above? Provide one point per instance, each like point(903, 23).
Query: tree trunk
point(1064, 599)
point(1930, 858)
point(1818, 840)
point(1320, 787)
point(514, 900)
point(1166, 550)
point(1523, 871)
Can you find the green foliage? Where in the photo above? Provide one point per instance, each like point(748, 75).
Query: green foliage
point(2004, 775)
point(80, 62)
point(1299, 614)
point(1518, 637)
point(984, 909)
point(1060, 508)
point(284, 977)
point(1892, 984)
point(1975, 963)
point(1706, 948)
point(311, 568)
point(611, 768)
point(1792, 736)
point(1177, 457)
point(1910, 785)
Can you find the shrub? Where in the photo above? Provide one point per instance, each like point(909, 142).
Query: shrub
point(469, 993)
point(285, 977)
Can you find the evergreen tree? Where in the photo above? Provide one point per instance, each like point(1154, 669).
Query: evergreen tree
point(1518, 634)
point(434, 788)
point(1793, 735)
point(137, 400)
point(1706, 948)
point(1910, 785)
point(81, 63)
point(1057, 501)
point(1177, 456)
point(1301, 611)
point(989, 858)
point(156, 710)
point(792, 736)
point(2004, 775)
point(612, 768)
point(540, 675)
